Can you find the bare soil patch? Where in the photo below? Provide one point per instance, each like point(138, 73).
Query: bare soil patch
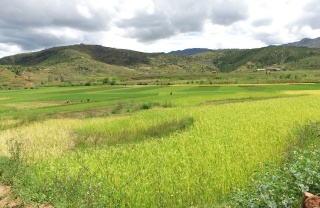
point(8, 201)
point(5, 198)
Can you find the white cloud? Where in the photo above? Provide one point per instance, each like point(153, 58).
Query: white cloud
point(84, 11)
point(7, 49)
point(67, 34)
point(155, 25)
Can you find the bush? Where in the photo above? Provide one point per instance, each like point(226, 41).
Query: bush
point(105, 80)
point(149, 105)
point(118, 108)
point(283, 186)
point(13, 168)
point(167, 104)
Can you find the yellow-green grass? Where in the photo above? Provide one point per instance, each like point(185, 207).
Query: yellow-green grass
point(312, 92)
point(33, 105)
point(195, 167)
point(39, 140)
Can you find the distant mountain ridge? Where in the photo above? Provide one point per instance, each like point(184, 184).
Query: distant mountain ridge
point(79, 57)
point(306, 42)
point(60, 54)
point(80, 63)
point(190, 51)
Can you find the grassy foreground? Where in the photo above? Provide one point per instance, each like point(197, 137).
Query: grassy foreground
point(186, 149)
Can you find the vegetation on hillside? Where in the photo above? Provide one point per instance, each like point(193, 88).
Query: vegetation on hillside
point(90, 64)
point(190, 51)
point(306, 42)
point(266, 57)
point(64, 54)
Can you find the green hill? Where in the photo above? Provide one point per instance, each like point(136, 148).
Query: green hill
point(83, 64)
point(190, 51)
point(267, 56)
point(68, 53)
point(93, 59)
point(306, 42)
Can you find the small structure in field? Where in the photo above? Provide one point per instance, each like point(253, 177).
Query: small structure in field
point(273, 69)
point(260, 70)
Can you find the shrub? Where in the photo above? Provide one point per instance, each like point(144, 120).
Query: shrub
point(167, 104)
point(118, 108)
point(146, 106)
point(283, 186)
point(105, 80)
point(12, 166)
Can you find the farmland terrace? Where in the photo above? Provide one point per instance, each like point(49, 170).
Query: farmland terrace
point(160, 145)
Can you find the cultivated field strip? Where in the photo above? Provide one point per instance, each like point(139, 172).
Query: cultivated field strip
point(196, 166)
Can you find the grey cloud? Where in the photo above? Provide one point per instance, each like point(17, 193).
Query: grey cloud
point(228, 11)
point(168, 19)
point(143, 20)
point(34, 13)
point(148, 27)
point(188, 16)
point(29, 39)
point(20, 19)
point(311, 15)
point(191, 18)
point(151, 34)
point(262, 22)
point(175, 17)
point(269, 38)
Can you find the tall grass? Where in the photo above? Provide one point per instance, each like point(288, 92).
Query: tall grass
point(283, 185)
point(195, 166)
point(41, 139)
point(128, 130)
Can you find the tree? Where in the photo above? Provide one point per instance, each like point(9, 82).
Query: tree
point(113, 81)
point(105, 80)
point(61, 78)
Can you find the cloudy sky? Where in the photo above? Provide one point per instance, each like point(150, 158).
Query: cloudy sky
point(155, 25)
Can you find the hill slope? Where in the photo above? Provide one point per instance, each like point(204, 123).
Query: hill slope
point(91, 63)
point(306, 42)
point(190, 51)
point(267, 56)
point(63, 54)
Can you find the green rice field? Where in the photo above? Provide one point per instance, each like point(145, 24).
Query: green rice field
point(146, 146)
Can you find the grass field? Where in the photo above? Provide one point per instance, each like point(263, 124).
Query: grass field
point(140, 146)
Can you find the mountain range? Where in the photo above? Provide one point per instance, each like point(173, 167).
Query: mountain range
point(190, 51)
point(80, 63)
point(305, 42)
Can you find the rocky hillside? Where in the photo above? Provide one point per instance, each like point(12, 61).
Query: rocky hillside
point(306, 42)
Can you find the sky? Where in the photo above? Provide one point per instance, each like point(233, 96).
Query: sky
point(155, 25)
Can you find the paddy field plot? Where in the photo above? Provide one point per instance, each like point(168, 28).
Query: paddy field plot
point(186, 149)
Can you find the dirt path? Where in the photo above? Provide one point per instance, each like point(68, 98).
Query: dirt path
point(6, 200)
